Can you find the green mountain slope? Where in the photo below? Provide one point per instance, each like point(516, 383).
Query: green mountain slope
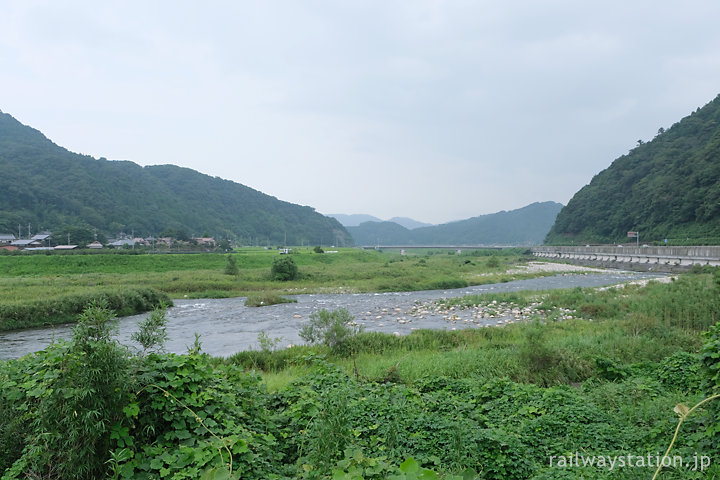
point(49, 187)
point(666, 188)
point(524, 226)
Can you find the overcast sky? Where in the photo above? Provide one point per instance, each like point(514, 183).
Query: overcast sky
point(435, 110)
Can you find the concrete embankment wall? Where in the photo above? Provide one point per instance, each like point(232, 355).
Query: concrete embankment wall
point(660, 259)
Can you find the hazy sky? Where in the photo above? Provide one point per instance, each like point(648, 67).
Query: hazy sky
point(435, 110)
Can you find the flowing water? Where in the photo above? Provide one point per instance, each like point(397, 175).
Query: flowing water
point(227, 326)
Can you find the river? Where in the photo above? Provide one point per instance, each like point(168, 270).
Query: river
point(227, 326)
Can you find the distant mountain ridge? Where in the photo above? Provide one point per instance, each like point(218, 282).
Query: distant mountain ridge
point(666, 188)
point(409, 223)
point(525, 226)
point(355, 219)
point(50, 187)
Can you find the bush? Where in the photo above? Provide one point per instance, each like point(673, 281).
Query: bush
point(334, 329)
point(152, 333)
point(231, 267)
point(284, 269)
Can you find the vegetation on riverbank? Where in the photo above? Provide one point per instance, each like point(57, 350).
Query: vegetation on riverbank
point(491, 403)
point(59, 306)
point(264, 299)
point(61, 279)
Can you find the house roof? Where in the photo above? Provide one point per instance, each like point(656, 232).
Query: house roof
point(23, 243)
point(7, 237)
point(120, 243)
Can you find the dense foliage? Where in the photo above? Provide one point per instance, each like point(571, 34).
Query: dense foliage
point(334, 329)
point(51, 188)
point(66, 307)
point(666, 188)
point(284, 268)
point(524, 226)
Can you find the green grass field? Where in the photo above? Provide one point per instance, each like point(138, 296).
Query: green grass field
point(181, 274)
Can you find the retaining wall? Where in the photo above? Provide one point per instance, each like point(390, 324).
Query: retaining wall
point(662, 259)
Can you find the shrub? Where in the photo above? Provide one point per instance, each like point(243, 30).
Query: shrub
point(284, 269)
point(681, 371)
point(334, 329)
point(231, 267)
point(151, 334)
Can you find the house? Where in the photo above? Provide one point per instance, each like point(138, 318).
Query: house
point(121, 243)
point(6, 238)
point(95, 245)
point(205, 241)
point(165, 241)
point(28, 243)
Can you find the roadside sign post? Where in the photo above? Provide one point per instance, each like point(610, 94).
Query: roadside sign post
point(636, 235)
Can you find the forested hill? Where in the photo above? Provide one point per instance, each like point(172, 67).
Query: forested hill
point(49, 187)
point(666, 188)
point(524, 226)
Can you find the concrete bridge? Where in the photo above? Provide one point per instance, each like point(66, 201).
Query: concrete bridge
point(662, 259)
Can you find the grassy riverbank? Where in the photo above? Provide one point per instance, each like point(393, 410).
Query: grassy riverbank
point(517, 402)
point(32, 285)
point(197, 274)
